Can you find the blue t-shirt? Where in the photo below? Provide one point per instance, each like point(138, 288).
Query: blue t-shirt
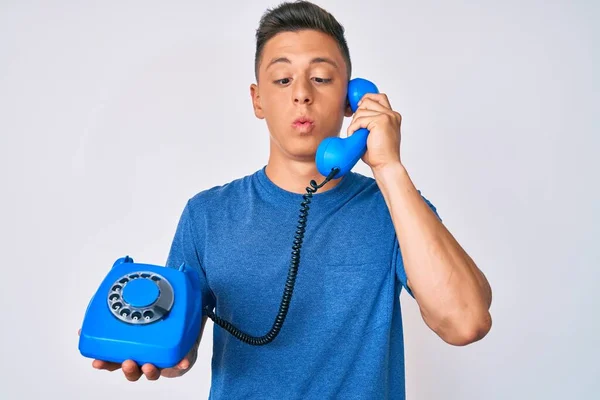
point(342, 337)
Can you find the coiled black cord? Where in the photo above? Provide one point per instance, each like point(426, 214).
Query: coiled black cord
point(291, 280)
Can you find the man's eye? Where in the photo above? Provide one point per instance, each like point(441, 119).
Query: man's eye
point(283, 81)
point(322, 80)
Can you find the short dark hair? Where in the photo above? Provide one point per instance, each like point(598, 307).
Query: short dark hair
point(296, 16)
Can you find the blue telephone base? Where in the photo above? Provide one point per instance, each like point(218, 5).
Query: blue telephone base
point(145, 313)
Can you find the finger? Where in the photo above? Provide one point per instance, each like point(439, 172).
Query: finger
point(109, 366)
point(79, 332)
point(363, 122)
point(150, 372)
point(131, 370)
point(358, 115)
point(380, 98)
point(363, 112)
point(381, 104)
point(372, 104)
point(393, 116)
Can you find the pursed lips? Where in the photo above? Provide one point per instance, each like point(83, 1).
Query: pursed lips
point(303, 124)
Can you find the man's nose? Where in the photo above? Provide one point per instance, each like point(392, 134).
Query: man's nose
point(304, 99)
point(302, 94)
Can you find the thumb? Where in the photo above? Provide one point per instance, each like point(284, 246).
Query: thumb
point(176, 370)
point(183, 364)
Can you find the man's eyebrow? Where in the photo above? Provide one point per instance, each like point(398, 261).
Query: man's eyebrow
point(323, 60)
point(315, 60)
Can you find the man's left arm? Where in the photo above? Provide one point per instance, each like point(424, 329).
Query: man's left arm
point(453, 295)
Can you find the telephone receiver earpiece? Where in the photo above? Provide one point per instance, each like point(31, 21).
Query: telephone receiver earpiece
point(344, 153)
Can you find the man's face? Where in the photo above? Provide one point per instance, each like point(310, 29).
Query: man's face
point(301, 92)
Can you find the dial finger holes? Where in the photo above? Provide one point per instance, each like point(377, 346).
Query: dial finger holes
point(148, 315)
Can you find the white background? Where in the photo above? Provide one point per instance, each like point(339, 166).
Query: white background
point(112, 114)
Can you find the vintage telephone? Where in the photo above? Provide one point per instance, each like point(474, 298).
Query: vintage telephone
point(142, 312)
point(152, 314)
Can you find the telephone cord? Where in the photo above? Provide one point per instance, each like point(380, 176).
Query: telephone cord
point(291, 279)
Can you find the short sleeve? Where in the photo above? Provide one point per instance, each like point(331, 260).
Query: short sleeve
point(400, 271)
point(184, 249)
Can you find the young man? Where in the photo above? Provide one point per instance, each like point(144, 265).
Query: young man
point(365, 240)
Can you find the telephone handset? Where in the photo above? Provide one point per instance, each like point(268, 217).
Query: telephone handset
point(344, 153)
point(152, 314)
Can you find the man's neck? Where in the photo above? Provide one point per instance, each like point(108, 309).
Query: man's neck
point(295, 176)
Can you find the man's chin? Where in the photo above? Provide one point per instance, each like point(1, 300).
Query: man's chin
point(302, 154)
point(305, 157)
point(304, 145)
point(302, 148)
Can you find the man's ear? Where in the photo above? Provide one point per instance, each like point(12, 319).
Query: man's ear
point(348, 112)
point(258, 111)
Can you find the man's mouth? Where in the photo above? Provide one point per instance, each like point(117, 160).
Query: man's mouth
point(303, 124)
